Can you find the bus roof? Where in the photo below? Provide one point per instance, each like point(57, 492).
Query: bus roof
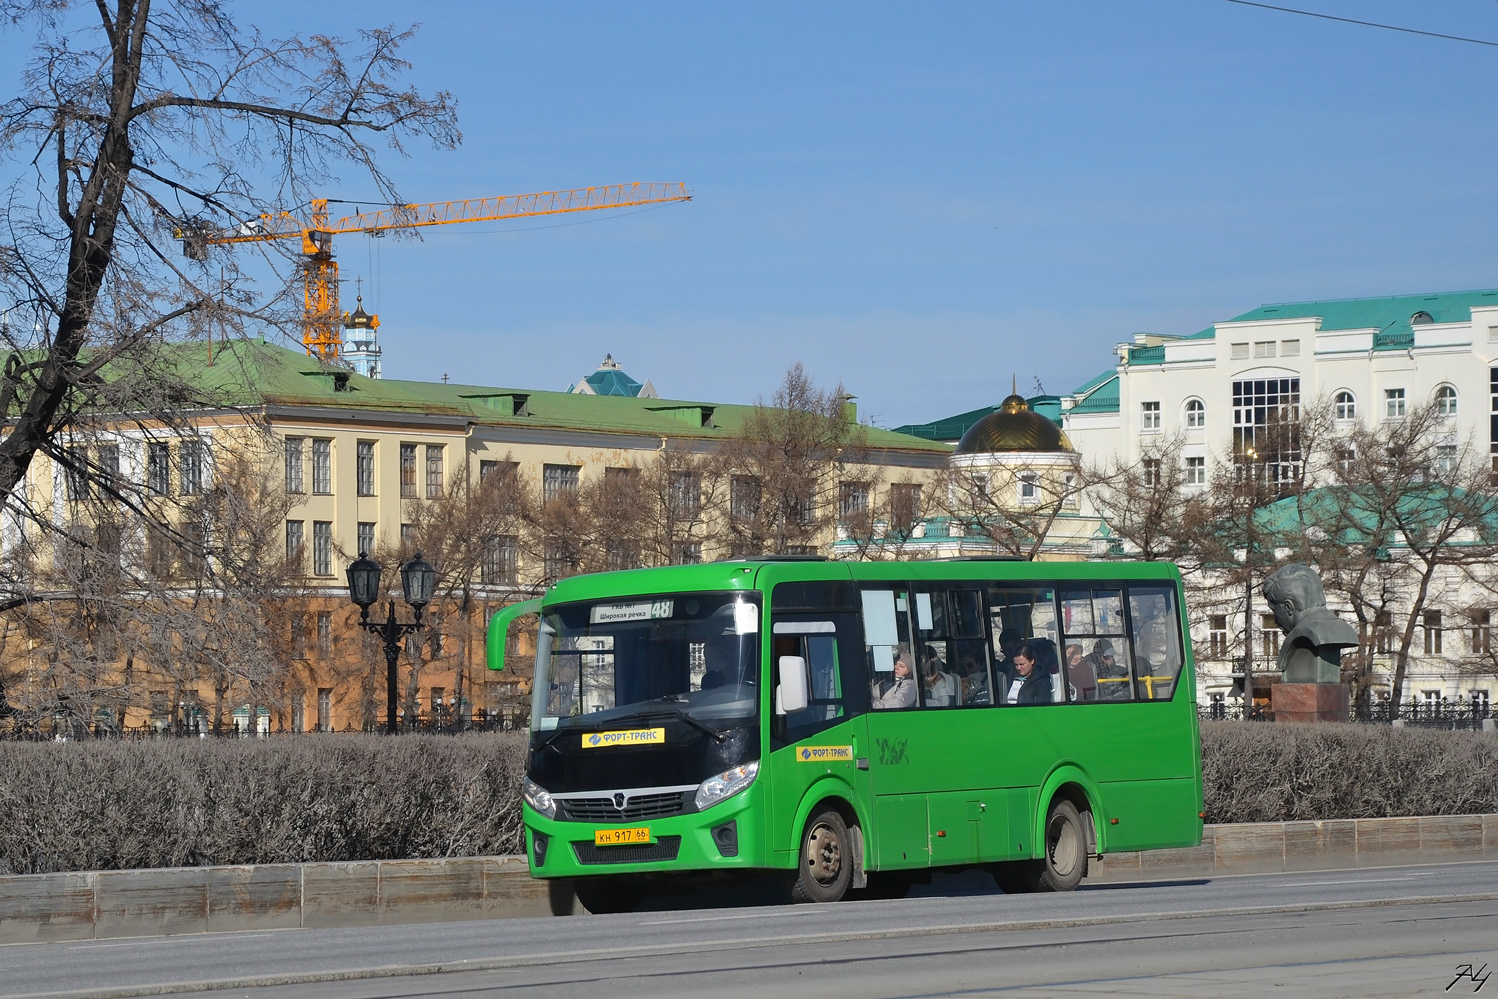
point(764, 573)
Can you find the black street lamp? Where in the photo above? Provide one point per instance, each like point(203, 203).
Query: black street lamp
point(418, 580)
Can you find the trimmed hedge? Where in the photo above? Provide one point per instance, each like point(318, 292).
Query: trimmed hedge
point(185, 802)
point(1260, 772)
point(172, 803)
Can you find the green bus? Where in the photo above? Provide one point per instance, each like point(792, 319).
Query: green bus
point(853, 726)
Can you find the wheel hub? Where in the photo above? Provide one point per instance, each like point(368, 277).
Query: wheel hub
point(824, 854)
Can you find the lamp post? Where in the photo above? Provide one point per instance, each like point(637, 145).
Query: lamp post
point(418, 580)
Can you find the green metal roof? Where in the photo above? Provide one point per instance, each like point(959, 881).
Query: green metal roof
point(953, 427)
point(1390, 316)
point(1102, 394)
point(255, 373)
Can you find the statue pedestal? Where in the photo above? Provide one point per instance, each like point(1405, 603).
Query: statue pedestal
point(1309, 702)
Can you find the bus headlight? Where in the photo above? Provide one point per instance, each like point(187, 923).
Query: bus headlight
point(537, 797)
point(726, 784)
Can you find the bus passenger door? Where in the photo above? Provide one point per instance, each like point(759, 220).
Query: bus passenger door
point(827, 739)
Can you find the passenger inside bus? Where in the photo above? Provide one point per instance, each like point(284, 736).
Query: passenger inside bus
point(1009, 643)
point(1079, 675)
point(1112, 675)
point(942, 688)
point(899, 691)
point(1034, 683)
point(973, 677)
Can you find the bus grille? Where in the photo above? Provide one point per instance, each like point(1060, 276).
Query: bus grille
point(641, 806)
point(665, 849)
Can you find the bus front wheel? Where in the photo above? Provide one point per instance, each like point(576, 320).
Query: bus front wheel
point(826, 860)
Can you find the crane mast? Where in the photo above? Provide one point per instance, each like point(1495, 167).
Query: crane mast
point(322, 320)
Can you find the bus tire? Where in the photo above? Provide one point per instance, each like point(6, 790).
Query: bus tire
point(562, 896)
point(826, 865)
point(606, 895)
point(1065, 861)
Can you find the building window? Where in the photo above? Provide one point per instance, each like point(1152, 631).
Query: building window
point(1432, 633)
point(1481, 705)
point(1196, 471)
point(1383, 633)
point(365, 470)
point(109, 466)
point(497, 473)
point(1346, 458)
point(294, 464)
point(1446, 401)
point(1151, 468)
point(1393, 404)
point(1239, 352)
point(743, 498)
point(1289, 348)
point(621, 554)
point(190, 462)
point(558, 481)
point(294, 539)
point(688, 553)
point(322, 466)
point(1029, 486)
point(325, 709)
point(1149, 416)
point(408, 471)
point(1482, 631)
point(298, 636)
point(325, 632)
point(1269, 632)
point(1263, 348)
point(1445, 458)
point(1217, 636)
point(76, 473)
point(852, 500)
point(434, 471)
point(158, 468)
point(501, 560)
point(408, 535)
point(1345, 407)
point(1265, 439)
point(559, 560)
point(686, 494)
point(322, 548)
point(1196, 414)
point(366, 537)
point(800, 509)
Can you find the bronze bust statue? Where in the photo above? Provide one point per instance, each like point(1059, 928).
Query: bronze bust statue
point(1314, 636)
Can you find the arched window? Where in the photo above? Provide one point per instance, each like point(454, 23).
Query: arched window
point(1421, 318)
point(1344, 406)
point(1446, 400)
point(1196, 414)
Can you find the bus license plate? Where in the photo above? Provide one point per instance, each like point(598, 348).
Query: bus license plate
point(619, 837)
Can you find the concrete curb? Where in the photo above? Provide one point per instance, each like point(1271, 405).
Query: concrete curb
point(101, 904)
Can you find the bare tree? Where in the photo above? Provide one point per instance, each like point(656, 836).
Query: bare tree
point(1413, 511)
point(140, 121)
point(783, 466)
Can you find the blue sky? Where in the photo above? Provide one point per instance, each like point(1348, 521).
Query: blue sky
point(918, 201)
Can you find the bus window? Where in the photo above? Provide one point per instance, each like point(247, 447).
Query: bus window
point(816, 642)
point(1024, 617)
point(1096, 647)
point(949, 630)
point(1157, 641)
point(891, 660)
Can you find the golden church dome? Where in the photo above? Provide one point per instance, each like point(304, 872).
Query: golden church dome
point(1013, 427)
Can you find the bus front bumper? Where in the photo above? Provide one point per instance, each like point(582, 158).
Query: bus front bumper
point(729, 835)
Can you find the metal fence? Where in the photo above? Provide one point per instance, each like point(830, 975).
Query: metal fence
point(1416, 712)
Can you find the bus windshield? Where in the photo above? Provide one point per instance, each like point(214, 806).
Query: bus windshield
point(690, 653)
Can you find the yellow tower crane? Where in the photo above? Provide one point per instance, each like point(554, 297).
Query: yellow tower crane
point(322, 326)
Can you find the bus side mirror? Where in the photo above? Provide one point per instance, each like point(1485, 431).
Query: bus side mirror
point(499, 629)
point(791, 695)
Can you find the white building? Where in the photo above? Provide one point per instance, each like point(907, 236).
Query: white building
point(1367, 358)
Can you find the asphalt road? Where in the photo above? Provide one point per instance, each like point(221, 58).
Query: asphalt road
point(1372, 932)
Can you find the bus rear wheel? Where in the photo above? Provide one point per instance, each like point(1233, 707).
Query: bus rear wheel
point(1065, 861)
point(826, 860)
